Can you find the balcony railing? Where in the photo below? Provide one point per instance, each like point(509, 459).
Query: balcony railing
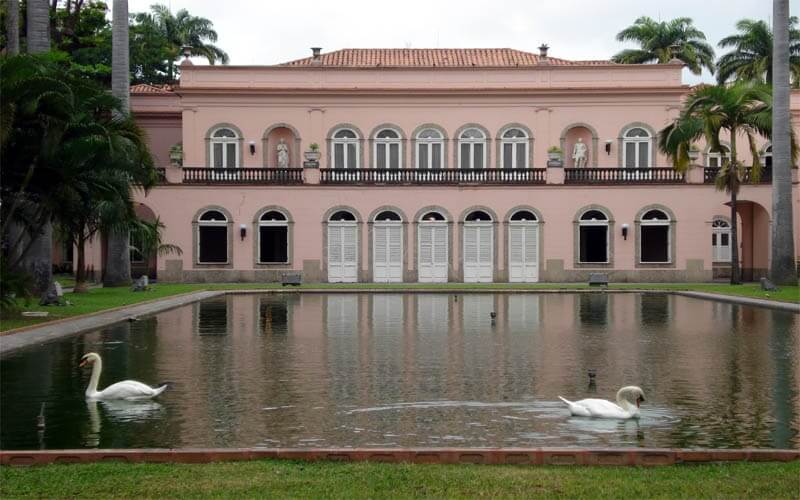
point(432, 176)
point(242, 175)
point(710, 175)
point(623, 176)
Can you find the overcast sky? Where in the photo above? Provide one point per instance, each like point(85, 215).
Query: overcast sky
point(266, 32)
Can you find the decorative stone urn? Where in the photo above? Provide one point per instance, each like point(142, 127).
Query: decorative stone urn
point(312, 155)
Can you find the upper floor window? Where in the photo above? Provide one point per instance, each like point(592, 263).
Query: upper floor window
point(345, 149)
point(387, 149)
point(767, 156)
point(714, 158)
point(515, 148)
point(472, 149)
point(224, 148)
point(636, 148)
point(430, 145)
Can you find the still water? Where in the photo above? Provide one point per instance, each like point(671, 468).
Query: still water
point(385, 370)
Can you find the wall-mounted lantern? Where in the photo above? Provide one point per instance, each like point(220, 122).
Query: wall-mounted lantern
point(608, 147)
point(252, 148)
point(625, 232)
point(243, 231)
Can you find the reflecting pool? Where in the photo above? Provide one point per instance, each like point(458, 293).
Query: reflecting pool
point(414, 370)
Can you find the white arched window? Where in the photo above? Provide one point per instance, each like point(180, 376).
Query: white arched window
point(514, 144)
point(345, 149)
point(342, 247)
point(766, 157)
point(387, 249)
point(478, 251)
point(654, 238)
point(224, 148)
point(472, 149)
point(593, 237)
point(714, 158)
point(273, 238)
point(212, 238)
point(387, 149)
point(720, 240)
point(430, 145)
point(637, 146)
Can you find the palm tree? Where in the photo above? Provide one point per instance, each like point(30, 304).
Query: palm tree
point(38, 26)
point(12, 27)
point(783, 267)
point(751, 57)
point(184, 30)
point(743, 108)
point(661, 42)
point(118, 263)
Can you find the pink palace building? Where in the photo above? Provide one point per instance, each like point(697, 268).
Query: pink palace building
point(432, 165)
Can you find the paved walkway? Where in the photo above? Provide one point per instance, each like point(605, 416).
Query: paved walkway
point(71, 326)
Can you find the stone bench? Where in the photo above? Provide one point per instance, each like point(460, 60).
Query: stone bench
point(294, 279)
point(598, 279)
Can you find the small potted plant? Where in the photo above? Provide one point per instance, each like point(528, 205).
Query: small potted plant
point(313, 153)
point(176, 155)
point(554, 153)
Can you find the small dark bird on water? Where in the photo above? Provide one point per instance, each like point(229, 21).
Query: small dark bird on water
point(493, 315)
point(592, 373)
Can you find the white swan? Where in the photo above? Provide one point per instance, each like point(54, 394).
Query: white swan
point(127, 389)
point(600, 408)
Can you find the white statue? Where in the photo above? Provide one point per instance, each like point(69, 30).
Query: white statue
point(283, 154)
point(579, 153)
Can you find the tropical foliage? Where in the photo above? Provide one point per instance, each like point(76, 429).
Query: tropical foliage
point(70, 154)
point(661, 42)
point(743, 109)
point(751, 57)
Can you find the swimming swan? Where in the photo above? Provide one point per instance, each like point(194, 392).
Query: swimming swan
point(600, 408)
point(127, 389)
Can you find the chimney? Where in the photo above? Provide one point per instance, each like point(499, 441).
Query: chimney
point(543, 50)
point(315, 59)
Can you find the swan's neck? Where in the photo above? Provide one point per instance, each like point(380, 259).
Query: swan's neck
point(626, 405)
point(97, 367)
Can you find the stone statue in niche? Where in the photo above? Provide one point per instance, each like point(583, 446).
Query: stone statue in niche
point(579, 153)
point(283, 154)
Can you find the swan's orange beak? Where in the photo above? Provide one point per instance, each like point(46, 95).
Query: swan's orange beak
point(83, 363)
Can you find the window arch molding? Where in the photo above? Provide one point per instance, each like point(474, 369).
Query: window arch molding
point(433, 208)
point(387, 208)
point(709, 157)
point(267, 147)
point(576, 238)
point(414, 141)
point(256, 232)
point(487, 138)
point(520, 208)
point(239, 141)
point(478, 208)
point(591, 129)
point(373, 141)
point(651, 161)
point(499, 144)
point(197, 223)
point(671, 223)
point(359, 142)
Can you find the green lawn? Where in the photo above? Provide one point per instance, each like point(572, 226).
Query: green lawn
point(99, 299)
point(370, 480)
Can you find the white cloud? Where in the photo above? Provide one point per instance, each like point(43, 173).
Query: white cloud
point(265, 32)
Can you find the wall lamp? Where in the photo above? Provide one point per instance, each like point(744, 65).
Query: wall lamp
point(608, 147)
point(243, 231)
point(625, 232)
point(252, 148)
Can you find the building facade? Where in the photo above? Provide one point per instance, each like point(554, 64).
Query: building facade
point(433, 167)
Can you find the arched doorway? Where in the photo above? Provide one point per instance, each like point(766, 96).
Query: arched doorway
point(523, 247)
point(342, 247)
point(754, 239)
point(433, 250)
point(478, 248)
point(387, 247)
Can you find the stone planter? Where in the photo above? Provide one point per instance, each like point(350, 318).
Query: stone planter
point(312, 155)
point(554, 156)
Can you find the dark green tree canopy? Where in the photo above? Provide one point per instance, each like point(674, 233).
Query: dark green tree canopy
point(751, 54)
point(661, 42)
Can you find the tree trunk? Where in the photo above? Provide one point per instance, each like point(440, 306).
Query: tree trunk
point(783, 265)
point(118, 263)
point(12, 27)
point(80, 272)
point(735, 271)
point(38, 26)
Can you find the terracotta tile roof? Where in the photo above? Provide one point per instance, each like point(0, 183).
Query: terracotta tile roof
point(148, 88)
point(427, 58)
